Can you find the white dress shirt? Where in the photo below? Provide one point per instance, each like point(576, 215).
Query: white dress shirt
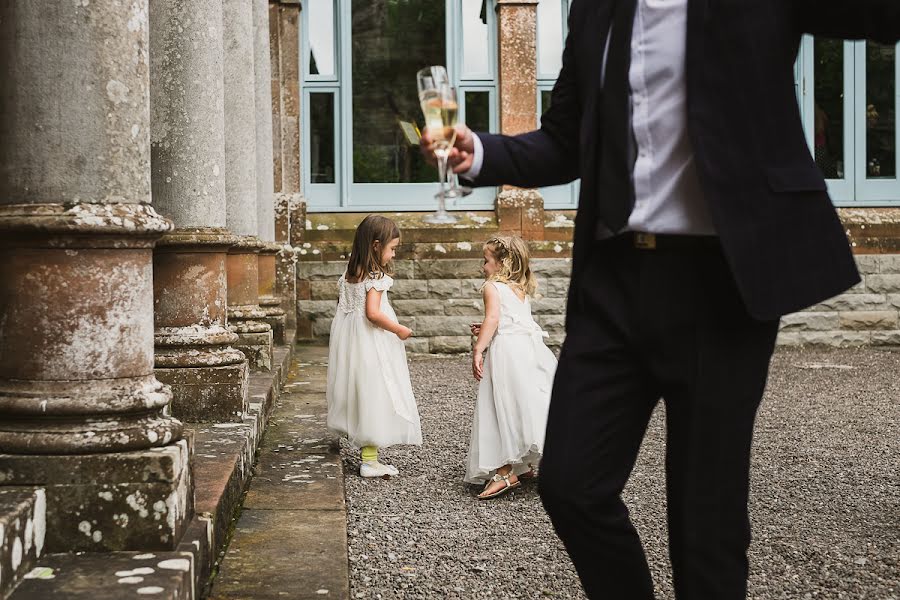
point(668, 197)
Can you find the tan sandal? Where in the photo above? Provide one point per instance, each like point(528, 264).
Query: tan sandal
point(496, 479)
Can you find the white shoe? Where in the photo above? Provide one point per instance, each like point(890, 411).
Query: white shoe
point(374, 469)
point(391, 468)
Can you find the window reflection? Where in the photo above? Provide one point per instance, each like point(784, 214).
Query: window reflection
point(321, 137)
point(829, 107)
point(321, 37)
point(545, 100)
point(881, 101)
point(550, 37)
point(476, 54)
point(478, 111)
point(391, 41)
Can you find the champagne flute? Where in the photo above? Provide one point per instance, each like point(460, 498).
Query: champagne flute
point(439, 105)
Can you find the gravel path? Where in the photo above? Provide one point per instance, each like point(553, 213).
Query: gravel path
point(825, 498)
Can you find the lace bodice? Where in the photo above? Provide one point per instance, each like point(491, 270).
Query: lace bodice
point(352, 296)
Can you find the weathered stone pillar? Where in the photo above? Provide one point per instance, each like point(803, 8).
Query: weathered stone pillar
point(265, 181)
point(518, 210)
point(76, 285)
point(244, 313)
point(284, 36)
point(193, 354)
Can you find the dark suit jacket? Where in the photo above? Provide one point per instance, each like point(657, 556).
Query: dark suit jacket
point(768, 200)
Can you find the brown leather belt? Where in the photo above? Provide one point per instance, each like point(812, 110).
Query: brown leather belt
point(664, 241)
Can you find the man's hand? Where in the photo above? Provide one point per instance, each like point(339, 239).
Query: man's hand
point(462, 153)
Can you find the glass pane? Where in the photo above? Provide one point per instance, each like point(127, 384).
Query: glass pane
point(321, 137)
point(545, 101)
point(829, 107)
point(881, 103)
point(391, 41)
point(550, 37)
point(321, 37)
point(478, 111)
point(476, 51)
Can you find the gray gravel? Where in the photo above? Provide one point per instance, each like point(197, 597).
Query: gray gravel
point(825, 498)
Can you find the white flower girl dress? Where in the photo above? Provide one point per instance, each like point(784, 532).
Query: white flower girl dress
point(370, 398)
point(514, 393)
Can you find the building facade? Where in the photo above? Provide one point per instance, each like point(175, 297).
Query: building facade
point(358, 63)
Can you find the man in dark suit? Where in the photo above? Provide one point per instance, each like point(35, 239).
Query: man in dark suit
point(702, 219)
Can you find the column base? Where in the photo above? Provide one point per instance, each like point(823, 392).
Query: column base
point(521, 212)
point(139, 500)
point(255, 341)
point(275, 317)
point(208, 378)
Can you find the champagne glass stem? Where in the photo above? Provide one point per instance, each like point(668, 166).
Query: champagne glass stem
point(442, 178)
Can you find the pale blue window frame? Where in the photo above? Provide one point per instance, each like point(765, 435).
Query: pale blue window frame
point(346, 196)
point(559, 197)
point(855, 188)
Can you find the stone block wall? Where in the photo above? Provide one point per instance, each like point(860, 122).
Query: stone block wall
point(867, 314)
point(436, 298)
point(438, 280)
point(439, 298)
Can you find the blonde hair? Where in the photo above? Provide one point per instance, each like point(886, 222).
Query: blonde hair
point(364, 260)
point(511, 253)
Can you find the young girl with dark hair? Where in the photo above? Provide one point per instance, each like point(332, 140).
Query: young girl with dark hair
point(370, 398)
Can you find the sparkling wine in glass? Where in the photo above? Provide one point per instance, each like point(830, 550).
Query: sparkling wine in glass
point(440, 107)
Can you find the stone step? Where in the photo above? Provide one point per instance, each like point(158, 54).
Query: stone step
point(110, 576)
point(22, 527)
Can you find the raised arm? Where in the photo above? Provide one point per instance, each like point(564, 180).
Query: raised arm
point(877, 20)
point(549, 155)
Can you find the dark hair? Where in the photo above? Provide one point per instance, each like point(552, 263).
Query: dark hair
point(364, 260)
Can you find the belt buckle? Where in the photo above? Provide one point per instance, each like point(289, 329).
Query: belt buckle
point(644, 241)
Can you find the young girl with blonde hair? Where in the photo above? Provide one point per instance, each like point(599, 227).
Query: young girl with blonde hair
point(369, 395)
point(515, 374)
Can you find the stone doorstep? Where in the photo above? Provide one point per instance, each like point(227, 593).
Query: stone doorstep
point(22, 529)
point(110, 576)
point(110, 502)
point(291, 537)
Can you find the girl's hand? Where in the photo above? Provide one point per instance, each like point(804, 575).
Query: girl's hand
point(475, 328)
point(404, 333)
point(478, 365)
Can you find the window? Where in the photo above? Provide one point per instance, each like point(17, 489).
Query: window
point(551, 34)
point(849, 102)
point(360, 61)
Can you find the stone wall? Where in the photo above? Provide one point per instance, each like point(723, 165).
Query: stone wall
point(438, 280)
point(868, 314)
point(437, 298)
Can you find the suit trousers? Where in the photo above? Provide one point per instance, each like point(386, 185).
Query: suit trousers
point(644, 325)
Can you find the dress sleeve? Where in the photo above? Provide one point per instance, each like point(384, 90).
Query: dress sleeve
point(382, 284)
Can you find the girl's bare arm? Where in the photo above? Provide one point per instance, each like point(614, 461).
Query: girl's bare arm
point(379, 319)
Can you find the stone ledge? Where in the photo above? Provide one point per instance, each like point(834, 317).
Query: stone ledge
point(110, 576)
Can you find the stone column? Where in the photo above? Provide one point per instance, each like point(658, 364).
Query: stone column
point(284, 36)
point(80, 408)
point(193, 354)
point(244, 313)
point(518, 210)
point(265, 181)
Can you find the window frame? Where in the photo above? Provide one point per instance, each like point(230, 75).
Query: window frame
point(557, 197)
point(855, 189)
point(347, 196)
